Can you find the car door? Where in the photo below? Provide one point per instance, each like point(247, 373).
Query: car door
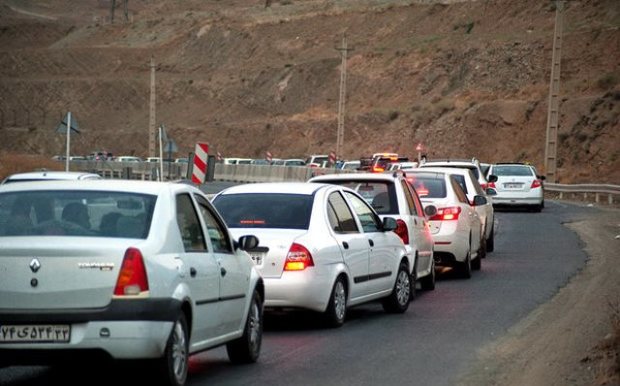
point(421, 232)
point(198, 267)
point(352, 242)
point(382, 263)
point(472, 218)
point(234, 271)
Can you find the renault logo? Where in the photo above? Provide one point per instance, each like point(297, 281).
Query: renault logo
point(35, 265)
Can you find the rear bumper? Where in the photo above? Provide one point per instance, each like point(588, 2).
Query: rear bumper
point(126, 329)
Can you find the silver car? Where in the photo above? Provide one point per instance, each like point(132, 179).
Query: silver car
point(322, 247)
point(127, 269)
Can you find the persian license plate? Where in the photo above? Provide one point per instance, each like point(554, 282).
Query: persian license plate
point(513, 186)
point(55, 333)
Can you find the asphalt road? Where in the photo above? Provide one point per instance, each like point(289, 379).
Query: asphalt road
point(434, 343)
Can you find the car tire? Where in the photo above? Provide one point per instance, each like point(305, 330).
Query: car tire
point(336, 312)
point(465, 266)
point(482, 251)
point(491, 240)
point(427, 283)
point(476, 264)
point(174, 365)
point(538, 208)
point(398, 300)
point(246, 349)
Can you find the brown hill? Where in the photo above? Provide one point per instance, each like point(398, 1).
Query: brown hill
point(464, 78)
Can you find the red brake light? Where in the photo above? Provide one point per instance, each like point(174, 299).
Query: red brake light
point(491, 185)
point(536, 184)
point(132, 278)
point(377, 169)
point(298, 258)
point(484, 186)
point(445, 214)
point(402, 231)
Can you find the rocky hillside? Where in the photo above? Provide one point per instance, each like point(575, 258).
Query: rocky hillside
point(463, 78)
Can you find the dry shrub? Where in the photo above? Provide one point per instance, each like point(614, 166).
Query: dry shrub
point(19, 163)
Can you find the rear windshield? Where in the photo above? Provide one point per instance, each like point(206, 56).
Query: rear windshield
point(473, 168)
point(381, 195)
point(265, 210)
point(512, 170)
point(428, 186)
point(76, 213)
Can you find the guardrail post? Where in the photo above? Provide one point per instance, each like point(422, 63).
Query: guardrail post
point(596, 197)
point(561, 195)
point(610, 198)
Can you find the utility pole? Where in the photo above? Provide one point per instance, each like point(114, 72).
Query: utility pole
point(341, 101)
point(152, 132)
point(551, 147)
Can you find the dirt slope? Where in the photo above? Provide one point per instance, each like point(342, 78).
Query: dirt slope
point(464, 78)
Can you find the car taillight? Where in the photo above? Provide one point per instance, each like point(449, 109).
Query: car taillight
point(445, 214)
point(484, 186)
point(298, 258)
point(536, 184)
point(402, 231)
point(132, 278)
point(490, 185)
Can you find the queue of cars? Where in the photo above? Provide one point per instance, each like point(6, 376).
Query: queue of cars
point(158, 271)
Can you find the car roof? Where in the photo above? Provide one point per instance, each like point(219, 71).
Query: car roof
point(51, 175)
point(274, 187)
point(447, 170)
point(136, 186)
point(357, 176)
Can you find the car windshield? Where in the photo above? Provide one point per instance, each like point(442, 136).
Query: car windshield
point(512, 170)
point(429, 186)
point(265, 210)
point(76, 213)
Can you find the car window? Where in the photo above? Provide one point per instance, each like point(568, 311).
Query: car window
point(419, 211)
point(429, 186)
point(512, 170)
point(409, 198)
point(340, 217)
point(189, 225)
point(381, 195)
point(265, 210)
point(461, 180)
point(370, 222)
point(458, 190)
point(215, 229)
point(76, 213)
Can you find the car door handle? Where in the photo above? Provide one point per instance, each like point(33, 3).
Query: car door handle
point(372, 243)
point(192, 272)
point(223, 271)
point(345, 245)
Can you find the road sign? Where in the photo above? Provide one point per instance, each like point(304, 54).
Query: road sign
point(332, 157)
point(201, 154)
point(268, 156)
point(219, 156)
point(68, 121)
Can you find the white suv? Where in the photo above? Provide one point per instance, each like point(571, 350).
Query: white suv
point(390, 194)
point(471, 164)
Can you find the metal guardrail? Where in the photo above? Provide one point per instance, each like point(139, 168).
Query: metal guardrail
point(585, 189)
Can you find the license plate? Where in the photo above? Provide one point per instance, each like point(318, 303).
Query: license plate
point(513, 186)
point(257, 258)
point(35, 333)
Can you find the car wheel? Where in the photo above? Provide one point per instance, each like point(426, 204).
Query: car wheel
point(476, 264)
point(538, 208)
point(398, 300)
point(427, 283)
point(482, 251)
point(246, 349)
point(173, 366)
point(491, 240)
point(337, 308)
point(465, 266)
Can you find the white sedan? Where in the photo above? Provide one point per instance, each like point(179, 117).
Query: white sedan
point(130, 269)
point(455, 225)
point(518, 185)
point(322, 247)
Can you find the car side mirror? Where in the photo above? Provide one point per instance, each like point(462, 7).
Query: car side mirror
point(479, 200)
point(542, 178)
point(389, 224)
point(492, 178)
point(430, 210)
point(491, 192)
point(247, 242)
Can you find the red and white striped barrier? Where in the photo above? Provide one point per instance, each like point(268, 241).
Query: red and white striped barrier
point(199, 170)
